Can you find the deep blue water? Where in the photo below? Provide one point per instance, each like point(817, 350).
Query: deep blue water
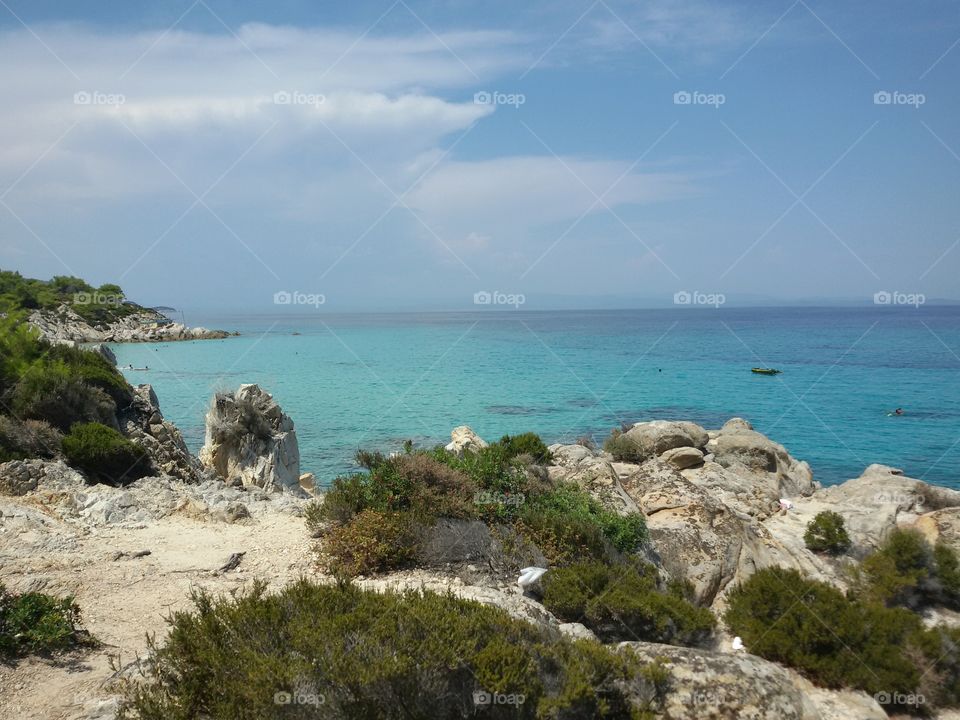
point(374, 380)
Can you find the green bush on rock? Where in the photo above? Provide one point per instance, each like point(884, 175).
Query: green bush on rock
point(493, 484)
point(827, 533)
point(105, 454)
point(624, 602)
point(347, 653)
point(841, 642)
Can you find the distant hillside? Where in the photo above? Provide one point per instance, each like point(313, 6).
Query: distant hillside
point(96, 305)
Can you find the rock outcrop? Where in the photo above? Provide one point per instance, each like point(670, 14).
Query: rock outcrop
point(143, 423)
point(657, 436)
point(463, 438)
point(705, 684)
point(63, 325)
point(250, 441)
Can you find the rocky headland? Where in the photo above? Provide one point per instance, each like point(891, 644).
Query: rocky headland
point(64, 325)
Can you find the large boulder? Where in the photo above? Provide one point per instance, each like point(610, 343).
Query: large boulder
point(740, 686)
point(695, 536)
point(653, 438)
point(739, 447)
point(577, 464)
point(462, 439)
point(250, 440)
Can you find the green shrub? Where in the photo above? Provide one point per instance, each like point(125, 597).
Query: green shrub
point(373, 541)
point(623, 448)
point(105, 454)
point(38, 623)
point(27, 439)
point(569, 524)
point(51, 392)
point(624, 602)
point(314, 518)
point(901, 571)
point(528, 444)
point(834, 640)
point(826, 533)
point(361, 654)
point(947, 568)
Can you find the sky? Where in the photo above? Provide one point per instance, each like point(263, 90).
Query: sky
point(236, 155)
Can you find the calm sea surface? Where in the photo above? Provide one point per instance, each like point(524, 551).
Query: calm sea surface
point(375, 380)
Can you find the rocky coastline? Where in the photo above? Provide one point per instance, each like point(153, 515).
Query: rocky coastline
point(719, 505)
point(63, 325)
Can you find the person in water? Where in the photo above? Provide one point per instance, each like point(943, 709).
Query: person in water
point(898, 411)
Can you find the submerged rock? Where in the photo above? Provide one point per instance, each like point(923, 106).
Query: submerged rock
point(250, 439)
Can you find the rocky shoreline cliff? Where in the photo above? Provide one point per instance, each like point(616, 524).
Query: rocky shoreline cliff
point(63, 325)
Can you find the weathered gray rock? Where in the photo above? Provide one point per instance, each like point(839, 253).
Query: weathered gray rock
point(143, 423)
point(577, 464)
point(462, 439)
point(657, 436)
point(683, 457)
point(738, 686)
point(248, 437)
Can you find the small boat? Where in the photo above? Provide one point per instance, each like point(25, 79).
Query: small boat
point(765, 371)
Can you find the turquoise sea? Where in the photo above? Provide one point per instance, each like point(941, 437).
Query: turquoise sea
point(374, 380)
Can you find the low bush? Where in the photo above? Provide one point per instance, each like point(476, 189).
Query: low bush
point(906, 571)
point(38, 623)
point(338, 652)
point(837, 641)
point(528, 444)
point(372, 541)
point(624, 602)
point(492, 485)
point(27, 439)
point(623, 448)
point(105, 454)
point(568, 524)
point(49, 392)
point(826, 533)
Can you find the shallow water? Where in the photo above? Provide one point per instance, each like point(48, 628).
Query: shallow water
point(372, 380)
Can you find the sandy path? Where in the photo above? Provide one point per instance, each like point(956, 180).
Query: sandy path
point(122, 600)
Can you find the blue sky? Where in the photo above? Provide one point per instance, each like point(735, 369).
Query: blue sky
point(210, 154)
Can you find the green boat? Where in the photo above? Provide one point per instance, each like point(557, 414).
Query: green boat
point(765, 371)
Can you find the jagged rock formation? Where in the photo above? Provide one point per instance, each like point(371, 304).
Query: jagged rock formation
point(250, 441)
point(63, 325)
point(143, 423)
point(463, 438)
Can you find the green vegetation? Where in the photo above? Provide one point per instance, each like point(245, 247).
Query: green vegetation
point(46, 390)
point(840, 641)
point(625, 602)
point(906, 571)
point(104, 304)
point(528, 444)
point(497, 484)
point(623, 448)
point(348, 653)
point(105, 454)
point(826, 533)
point(38, 623)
